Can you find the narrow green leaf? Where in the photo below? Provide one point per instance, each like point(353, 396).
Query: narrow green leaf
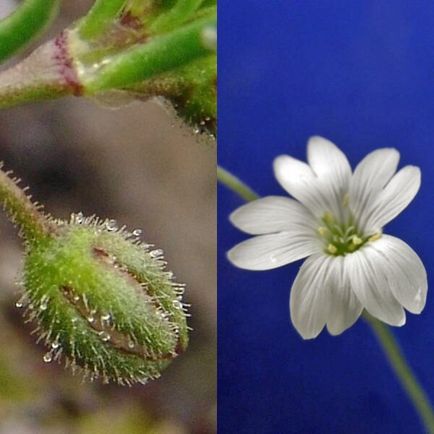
point(156, 56)
point(99, 17)
point(27, 22)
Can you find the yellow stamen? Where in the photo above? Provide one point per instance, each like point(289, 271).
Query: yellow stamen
point(322, 230)
point(356, 240)
point(331, 248)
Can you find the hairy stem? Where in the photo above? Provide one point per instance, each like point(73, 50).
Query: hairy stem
point(385, 337)
point(30, 18)
point(33, 225)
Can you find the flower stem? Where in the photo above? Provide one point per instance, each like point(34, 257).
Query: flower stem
point(30, 18)
point(33, 225)
point(403, 371)
point(236, 185)
point(385, 337)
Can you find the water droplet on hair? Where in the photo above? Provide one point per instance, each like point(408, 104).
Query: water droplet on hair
point(131, 345)
point(55, 345)
point(177, 304)
point(48, 357)
point(90, 319)
point(105, 317)
point(19, 304)
point(79, 218)
point(111, 225)
point(156, 253)
point(105, 337)
point(137, 232)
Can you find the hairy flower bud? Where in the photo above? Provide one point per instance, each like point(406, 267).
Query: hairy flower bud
point(103, 301)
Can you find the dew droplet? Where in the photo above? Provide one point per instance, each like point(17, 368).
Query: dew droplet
point(111, 225)
point(55, 345)
point(105, 317)
point(44, 303)
point(19, 304)
point(177, 304)
point(105, 337)
point(131, 344)
point(90, 319)
point(156, 253)
point(48, 357)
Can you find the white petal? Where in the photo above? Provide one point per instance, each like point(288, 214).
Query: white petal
point(368, 270)
point(274, 214)
point(298, 179)
point(310, 298)
point(345, 308)
point(369, 178)
point(328, 162)
point(394, 198)
point(405, 272)
point(271, 251)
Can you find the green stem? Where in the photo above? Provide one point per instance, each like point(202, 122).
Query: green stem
point(403, 371)
point(159, 55)
point(25, 214)
point(385, 337)
point(236, 185)
point(30, 18)
point(99, 17)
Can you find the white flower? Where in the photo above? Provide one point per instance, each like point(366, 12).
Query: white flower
point(336, 221)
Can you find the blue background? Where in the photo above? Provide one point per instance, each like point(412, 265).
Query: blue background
point(360, 73)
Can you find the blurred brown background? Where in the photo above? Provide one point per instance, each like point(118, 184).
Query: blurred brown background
point(138, 165)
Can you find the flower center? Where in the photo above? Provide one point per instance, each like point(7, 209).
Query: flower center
point(341, 238)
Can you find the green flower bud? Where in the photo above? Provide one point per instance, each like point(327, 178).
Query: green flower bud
point(102, 300)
